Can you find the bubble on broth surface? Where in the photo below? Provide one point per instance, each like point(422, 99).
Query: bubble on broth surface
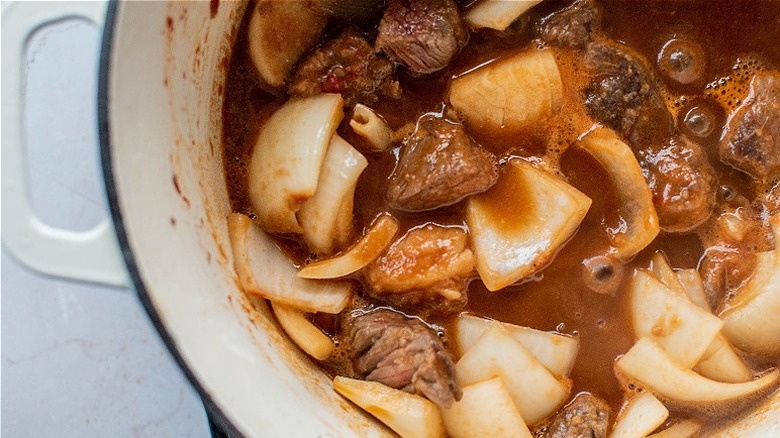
point(682, 60)
point(700, 121)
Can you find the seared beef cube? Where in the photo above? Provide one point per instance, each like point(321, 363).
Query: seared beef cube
point(682, 182)
point(571, 27)
point(346, 65)
point(623, 96)
point(439, 165)
point(427, 270)
point(585, 417)
point(422, 35)
point(771, 200)
point(403, 353)
point(752, 139)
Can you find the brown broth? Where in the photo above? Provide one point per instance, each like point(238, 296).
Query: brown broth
point(733, 33)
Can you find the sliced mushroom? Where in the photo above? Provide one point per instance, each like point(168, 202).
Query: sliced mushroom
point(264, 271)
point(273, 52)
point(510, 93)
point(497, 14)
point(636, 200)
point(486, 410)
point(375, 241)
point(326, 217)
point(751, 319)
point(639, 417)
point(647, 364)
point(555, 351)
point(519, 223)
point(306, 335)
point(682, 329)
point(285, 165)
point(409, 415)
point(536, 393)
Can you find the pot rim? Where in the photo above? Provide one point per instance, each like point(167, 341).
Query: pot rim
point(216, 415)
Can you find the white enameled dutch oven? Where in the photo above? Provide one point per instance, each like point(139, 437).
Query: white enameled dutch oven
point(161, 83)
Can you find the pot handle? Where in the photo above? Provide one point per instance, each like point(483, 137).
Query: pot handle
point(91, 255)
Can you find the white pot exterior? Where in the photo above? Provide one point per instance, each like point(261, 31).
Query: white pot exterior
point(165, 78)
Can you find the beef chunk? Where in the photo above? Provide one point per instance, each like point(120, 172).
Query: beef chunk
point(771, 200)
point(730, 258)
point(346, 65)
point(571, 27)
point(682, 182)
point(422, 35)
point(439, 165)
point(403, 353)
point(585, 417)
point(752, 139)
point(623, 96)
point(427, 270)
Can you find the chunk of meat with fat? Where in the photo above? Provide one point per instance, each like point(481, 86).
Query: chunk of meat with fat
point(439, 165)
point(422, 35)
point(403, 353)
point(572, 27)
point(346, 65)
point(586, 416)
point(427, 270)
point(751, 141)
point(623, 95)
point(683, 184)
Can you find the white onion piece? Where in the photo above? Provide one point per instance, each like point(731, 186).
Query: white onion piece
point(519, 223)
point(497, 14)
point(666, 275)
point(681, 328)
point(636, 201)
point(306, 335)
point(372, 127)
point(639, 417)
point(411, 416)
point(486, 410)
point(692, 284)
point(510, 93)
point(326, 217)
point(376, 240)
point(555, 351)
point(536, 393)
point(263, 270)
point(680, 429)
point(285, 165)
point(751, 319)
point(275, 53)
point(647, 364)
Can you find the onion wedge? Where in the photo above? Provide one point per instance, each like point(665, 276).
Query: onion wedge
point(306, 335)
point(636, 201)
point(682, 329)
point(518, 224)
point(486, 410)
point(497, 14)
point(263, 270)
point(375, 241)
point(692, 284)
point(535, 391)
point(275, 52)
point(555, 351)
point(411, 416)
point(326, 217)
point(680, 429)
point(284, 168)
point(647, 364)
point(640, 417)
point(751, 319)
point(511, 93)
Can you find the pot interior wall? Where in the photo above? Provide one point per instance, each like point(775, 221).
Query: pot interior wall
point(167, 71)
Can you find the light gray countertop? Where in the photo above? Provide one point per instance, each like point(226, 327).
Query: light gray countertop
point(79, 360)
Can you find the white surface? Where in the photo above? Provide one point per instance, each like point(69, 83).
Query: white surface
point(79, 360)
